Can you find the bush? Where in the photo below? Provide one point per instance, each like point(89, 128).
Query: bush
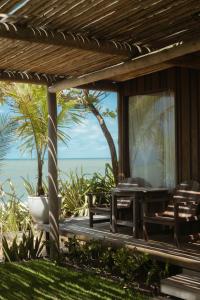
point(74, 190)
point(28, 248)
point(102, 183)
point(129, 265)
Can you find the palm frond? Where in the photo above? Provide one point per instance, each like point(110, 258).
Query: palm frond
point(6, 135)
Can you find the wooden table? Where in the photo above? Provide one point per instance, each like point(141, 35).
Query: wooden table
point(137, 196)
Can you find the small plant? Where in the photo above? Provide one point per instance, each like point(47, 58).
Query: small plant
point(131, 265)
point(28, 248)
point(14, 215)
point(31, 189)
point(74, 194)
point(74, 250)
point(75, 189)
point(102, 183)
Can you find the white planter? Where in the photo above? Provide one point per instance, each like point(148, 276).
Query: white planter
point(39, 209)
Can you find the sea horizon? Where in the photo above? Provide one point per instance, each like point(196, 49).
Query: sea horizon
point(66, 158)
point(18, 168)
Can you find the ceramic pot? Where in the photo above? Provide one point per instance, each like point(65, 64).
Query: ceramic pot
point(39, 209)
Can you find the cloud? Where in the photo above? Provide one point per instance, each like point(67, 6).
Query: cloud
point(87, 139)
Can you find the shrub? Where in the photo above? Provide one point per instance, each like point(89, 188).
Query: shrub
point(127, 264)
point(102, 183)
point(14, 215)
point(74, 190)
point(28, 248)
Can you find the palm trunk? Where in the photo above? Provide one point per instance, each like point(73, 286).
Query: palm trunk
point(109, 139)
point(40, 190)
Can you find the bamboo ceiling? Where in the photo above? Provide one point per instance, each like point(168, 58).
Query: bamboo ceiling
point(55, 39)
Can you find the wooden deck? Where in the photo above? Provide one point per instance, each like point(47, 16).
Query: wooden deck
point(188, 256)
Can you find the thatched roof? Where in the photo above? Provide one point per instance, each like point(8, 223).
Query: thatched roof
point(68, 38)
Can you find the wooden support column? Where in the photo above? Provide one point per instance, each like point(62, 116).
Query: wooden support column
point(53, 176)
point(123, 138)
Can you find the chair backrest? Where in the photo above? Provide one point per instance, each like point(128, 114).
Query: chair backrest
point(187, 194)
point(125, 202)
point(134, 181)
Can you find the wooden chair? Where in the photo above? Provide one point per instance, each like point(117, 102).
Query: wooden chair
point(100, 204)
point(183, 208)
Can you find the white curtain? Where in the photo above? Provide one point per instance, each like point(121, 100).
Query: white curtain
point(152, 138)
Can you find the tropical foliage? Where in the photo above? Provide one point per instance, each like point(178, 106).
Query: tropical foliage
point(102, 183)
point(75, 189)
point(73, 192)
point(14, 215)
point(130, 265)
point(28, 247)
point(6, 135)
point(29, 105)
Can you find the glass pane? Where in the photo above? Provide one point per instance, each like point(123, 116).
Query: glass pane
point(152, 138)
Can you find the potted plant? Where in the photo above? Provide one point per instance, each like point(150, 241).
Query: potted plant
point(29, 104)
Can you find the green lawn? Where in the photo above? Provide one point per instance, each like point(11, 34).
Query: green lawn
point(43, 280)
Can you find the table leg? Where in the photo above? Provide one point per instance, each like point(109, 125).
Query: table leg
point(135, 218)
point(114, 213)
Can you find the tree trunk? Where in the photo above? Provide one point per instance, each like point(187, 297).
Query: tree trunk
point(108, 137)
point(40, 190)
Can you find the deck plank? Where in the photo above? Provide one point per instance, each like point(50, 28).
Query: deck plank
point(188, 256)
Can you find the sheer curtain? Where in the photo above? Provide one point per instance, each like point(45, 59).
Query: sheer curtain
point(152, 138)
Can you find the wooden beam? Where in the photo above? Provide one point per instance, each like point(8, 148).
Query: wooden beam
point(141, 72)
point(53, 177)
point(103, 85)
point(69, 40)
point(187, 61)
point(146, 61)
point(24, 77)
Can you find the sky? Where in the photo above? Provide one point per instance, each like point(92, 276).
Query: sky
point(86, 139)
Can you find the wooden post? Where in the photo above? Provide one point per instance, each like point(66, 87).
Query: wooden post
point(53, 176)
point(123, 136)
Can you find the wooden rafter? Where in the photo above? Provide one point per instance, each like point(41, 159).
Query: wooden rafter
point(37, 78)
point(147, 61)
point(188, 61)
point(25, 77)
point(103, 85)
point(69, 40)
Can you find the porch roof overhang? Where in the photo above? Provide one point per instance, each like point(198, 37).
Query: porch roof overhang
point(50, 41)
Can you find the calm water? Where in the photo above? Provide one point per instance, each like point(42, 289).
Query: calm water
point(16, 169)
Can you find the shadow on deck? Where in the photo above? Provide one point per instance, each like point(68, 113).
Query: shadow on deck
point(159, 247)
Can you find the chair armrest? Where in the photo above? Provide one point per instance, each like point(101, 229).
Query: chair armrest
point(98, 198)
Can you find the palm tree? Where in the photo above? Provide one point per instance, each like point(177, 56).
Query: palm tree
point(6, 135)
point(90, 101)
point(29, 105)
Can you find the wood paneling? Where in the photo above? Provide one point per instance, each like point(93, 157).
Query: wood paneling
point(185, 83)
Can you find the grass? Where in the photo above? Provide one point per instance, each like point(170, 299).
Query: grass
point(40, 280)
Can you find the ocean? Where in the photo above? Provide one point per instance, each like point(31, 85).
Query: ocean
point(15, 169)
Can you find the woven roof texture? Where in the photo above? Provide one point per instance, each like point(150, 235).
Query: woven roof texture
point(138, 24)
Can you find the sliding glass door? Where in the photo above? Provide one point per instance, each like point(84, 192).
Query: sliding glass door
point(152, 138)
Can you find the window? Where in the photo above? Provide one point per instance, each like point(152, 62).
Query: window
point(152, 138)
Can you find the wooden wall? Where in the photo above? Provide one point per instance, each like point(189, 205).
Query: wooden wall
point(186, 85)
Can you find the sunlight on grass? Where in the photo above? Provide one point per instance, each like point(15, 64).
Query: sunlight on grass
point(42, 280)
